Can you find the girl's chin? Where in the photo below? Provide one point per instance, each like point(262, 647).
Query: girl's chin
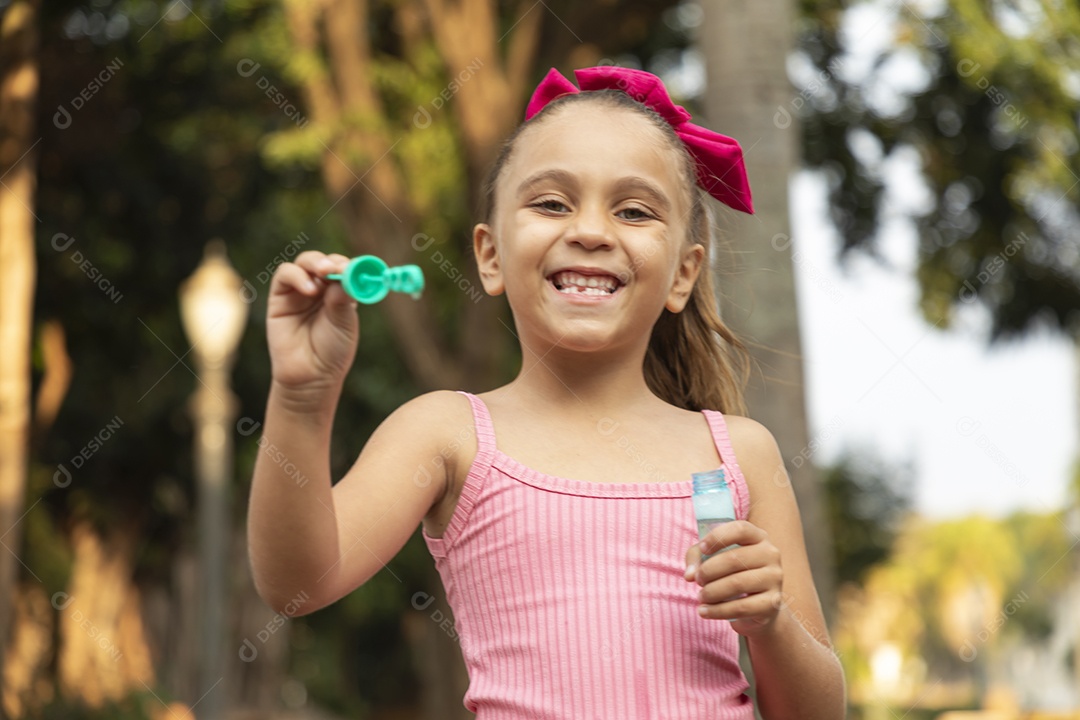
point(581, 337)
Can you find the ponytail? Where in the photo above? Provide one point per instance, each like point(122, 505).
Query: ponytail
point(694, 361)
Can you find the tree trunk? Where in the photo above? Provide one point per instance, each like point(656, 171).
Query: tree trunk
point(104, 649)
point(18, 95)
point(746, 45)
point(28, 656)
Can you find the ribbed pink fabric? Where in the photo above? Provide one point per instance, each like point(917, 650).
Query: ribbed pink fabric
point(569, 597)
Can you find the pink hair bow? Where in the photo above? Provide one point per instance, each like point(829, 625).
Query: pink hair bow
point(721, 171)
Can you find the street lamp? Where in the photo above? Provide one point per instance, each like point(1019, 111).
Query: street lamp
point(214, 316)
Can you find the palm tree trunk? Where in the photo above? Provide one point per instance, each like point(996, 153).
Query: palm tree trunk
point(746, 45)
point(18, 95)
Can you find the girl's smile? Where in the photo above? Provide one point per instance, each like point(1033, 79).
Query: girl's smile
point(585, 284)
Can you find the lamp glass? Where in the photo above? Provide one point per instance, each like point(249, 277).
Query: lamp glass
point(213, 313)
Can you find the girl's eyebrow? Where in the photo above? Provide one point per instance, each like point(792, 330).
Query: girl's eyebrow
point(554, 176)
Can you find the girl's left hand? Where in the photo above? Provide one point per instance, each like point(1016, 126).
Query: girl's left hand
point(742, 584)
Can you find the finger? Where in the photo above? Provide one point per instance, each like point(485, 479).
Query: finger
point(736, 532)
point(339, 260)
point(755, 581)
point(313, 261)
point(290, 277)
point(693, 561)
point(738, 559)
point(759, 608)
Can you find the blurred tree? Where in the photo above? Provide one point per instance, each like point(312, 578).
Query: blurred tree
point(18, 179)
point(867, 502)
point(951, 597)
point(149, 146)
point(986, 96)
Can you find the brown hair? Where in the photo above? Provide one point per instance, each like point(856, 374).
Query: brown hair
point(693, 361)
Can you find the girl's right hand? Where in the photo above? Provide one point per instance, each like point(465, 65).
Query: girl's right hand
point(311, 324)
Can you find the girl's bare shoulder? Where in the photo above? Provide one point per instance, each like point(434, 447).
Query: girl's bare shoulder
point(755, 448)
point(439, 416)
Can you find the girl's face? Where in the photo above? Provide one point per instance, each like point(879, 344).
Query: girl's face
point(588, 235)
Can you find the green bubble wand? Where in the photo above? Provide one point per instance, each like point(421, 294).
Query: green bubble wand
point(368, 279)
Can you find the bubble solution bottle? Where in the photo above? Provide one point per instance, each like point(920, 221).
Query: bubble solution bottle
point(712, 502)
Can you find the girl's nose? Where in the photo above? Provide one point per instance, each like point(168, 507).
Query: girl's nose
point(591, 230)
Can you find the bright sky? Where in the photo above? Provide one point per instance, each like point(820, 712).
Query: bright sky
point(987, 430)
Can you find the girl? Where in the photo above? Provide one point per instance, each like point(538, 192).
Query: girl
point(562, 525)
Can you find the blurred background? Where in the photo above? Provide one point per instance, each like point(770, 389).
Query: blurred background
point(910, 287)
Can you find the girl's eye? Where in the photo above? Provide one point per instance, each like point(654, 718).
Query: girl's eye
point(634, 213)
point(550, 205)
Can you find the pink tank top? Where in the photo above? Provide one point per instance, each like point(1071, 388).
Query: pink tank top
point(569, 597)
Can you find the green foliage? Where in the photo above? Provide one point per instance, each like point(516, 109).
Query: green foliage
point(996, 133)
point(959, 591)
point(866, 502)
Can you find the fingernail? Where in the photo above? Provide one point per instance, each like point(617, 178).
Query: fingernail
point(691, 570)
point(702, 610)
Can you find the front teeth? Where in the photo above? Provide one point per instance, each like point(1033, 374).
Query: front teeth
point(572, 282)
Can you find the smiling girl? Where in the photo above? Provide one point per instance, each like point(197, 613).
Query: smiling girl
point(572, 563)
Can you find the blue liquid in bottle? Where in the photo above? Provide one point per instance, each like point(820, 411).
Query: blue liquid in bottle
point(712, 502)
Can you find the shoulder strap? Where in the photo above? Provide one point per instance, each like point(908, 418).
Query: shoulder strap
point(736, 481)
point(485, 431)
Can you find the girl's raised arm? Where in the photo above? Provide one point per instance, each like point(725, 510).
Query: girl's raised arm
point(307, 538)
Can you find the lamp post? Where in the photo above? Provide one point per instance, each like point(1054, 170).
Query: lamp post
point(213, 315)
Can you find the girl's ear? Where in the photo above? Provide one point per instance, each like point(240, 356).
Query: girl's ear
point(487, 259)
point(685, 277)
